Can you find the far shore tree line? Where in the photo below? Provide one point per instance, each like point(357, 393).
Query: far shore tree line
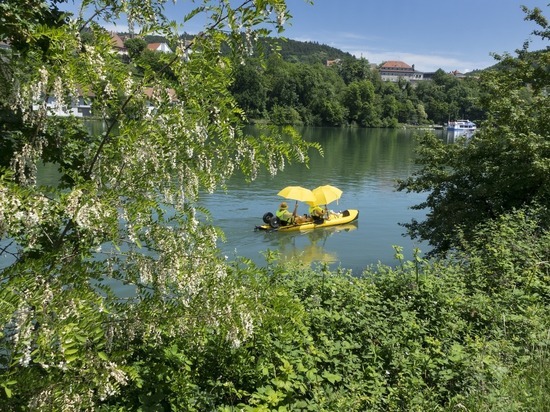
point(296, 88)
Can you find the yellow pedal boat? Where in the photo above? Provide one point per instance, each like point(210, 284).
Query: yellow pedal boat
point(272, 223)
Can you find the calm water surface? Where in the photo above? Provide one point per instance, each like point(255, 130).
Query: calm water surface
point(365, 164)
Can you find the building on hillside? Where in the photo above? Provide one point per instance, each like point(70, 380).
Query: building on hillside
point(333, 62)
point(160, 47)
point(454, 73)
point(394, 70)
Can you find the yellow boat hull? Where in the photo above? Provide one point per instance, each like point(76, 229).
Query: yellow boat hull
point(341, 218)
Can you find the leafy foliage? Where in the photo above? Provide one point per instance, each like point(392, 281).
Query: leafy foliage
point(67, 340)
point(420, 336)
point(505, 166)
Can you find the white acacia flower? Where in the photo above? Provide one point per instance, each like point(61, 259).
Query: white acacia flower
point(281, 17)
point(117, 374)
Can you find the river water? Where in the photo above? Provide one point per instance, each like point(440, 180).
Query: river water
point(364, 164)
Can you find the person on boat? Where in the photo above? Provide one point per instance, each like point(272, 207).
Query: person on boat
point(317, 213)
point(286, 217)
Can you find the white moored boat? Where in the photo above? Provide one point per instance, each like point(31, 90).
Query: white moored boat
point(465, 125)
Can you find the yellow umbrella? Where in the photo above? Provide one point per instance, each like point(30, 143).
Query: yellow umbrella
point(326, 194)
point(297, 193)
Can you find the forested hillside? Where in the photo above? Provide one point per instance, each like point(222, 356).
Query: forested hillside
point(297, 87)
point(295, 51)
point(349, 93)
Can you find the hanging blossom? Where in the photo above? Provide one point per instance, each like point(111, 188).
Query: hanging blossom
point(128, 85)
point(23, 162)
point(201, 132)
point(95, 60)
point(87, 214)
point(58, 93)
point(300, 154)
point(19, 332)
point(8, 205)
point(30, 98)
point(239, 333)
point(281, 17)
point(40, 87)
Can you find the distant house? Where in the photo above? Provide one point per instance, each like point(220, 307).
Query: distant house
point(161, 47)
point(333, 62)
point(394, 70)
point(457, 74)
point(80, 106)
point(118, 44)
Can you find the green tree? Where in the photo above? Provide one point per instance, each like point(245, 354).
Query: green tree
point(359, 100)
point(135, 46)
point(282, 83)
point(125, 210)
point(351, 70)
point(505, 166)
point(446, 98)
point(249, 89)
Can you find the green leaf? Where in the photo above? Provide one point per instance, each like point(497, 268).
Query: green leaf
point(332, 377)
point(8, 391)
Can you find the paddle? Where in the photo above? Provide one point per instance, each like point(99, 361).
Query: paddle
point(295, 209)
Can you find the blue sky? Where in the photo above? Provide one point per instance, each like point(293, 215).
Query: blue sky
point(431, 34)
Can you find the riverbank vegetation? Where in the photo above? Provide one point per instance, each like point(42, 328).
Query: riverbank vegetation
point(115, 297)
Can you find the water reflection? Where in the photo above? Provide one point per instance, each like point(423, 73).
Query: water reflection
point(310, 246)
point(453, 135)
point(364, 163)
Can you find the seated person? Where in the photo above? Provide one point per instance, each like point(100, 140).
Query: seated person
point(286, 217)
point(317, 213)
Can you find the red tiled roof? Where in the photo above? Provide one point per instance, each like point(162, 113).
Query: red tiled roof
point(395, 64)
point(148, 91)
point(153, 46)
